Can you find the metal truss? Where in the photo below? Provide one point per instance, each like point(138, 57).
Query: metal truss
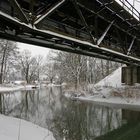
point(131, 45)
point(50, 11)
point(104, 34)
point(83, 19)
point(98, 31)
point(19, 10)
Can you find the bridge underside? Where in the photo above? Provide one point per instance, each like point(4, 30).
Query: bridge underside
point(100, 28)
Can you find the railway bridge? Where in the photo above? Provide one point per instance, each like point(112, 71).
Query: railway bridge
point(107, 29)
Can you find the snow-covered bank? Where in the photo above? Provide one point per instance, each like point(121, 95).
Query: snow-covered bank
point(112, 80)
point(56, 85)
point(114, 102)
point(12, 88)
point(16, 88)
point(16, 129)
point(110, 92)
point(9, 89)
point(125, 98)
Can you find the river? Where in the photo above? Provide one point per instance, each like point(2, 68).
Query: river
point(67, 119)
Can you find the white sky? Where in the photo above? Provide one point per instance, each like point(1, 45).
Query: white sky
point(137, 4)
point(36, 50)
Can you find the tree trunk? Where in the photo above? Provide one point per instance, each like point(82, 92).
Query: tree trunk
point(107, 67)
point(0, 103)
point(27, 75)
point(76, 83)
point(2, 66)
point(102, 68)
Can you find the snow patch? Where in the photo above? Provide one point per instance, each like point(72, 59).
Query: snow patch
point(14, 129)
point(112, 80)
point(114, 102)
point(110, 92)
point(12, 88)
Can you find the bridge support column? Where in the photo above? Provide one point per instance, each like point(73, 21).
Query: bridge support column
point(130, 75)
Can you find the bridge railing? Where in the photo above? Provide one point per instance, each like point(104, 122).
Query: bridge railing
point(130, 8)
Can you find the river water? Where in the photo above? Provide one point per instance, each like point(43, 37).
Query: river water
point(67, 119)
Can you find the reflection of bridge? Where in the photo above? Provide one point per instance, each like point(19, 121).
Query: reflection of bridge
point(100, 28)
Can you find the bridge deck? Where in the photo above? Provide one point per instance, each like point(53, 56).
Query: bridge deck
point(101, 28)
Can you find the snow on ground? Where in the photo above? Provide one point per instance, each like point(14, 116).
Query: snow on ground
point(114, 102)
point(53, 85)
point(12, 88)
point(8, 89)
point(16, 129)
point(56, 85)
point(112, 80)
point(110, 92)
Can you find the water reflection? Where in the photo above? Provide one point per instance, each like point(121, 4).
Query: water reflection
point(2, 107)
point(69, 120)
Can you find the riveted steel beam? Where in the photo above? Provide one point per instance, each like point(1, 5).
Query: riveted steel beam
point(49, 12)
point(104, 34)
point(131, 45)
point(40, 37)
point(19, 11)
point(83, 19)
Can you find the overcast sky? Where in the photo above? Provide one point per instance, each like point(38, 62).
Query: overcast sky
point(35, 50)
point(136, 4)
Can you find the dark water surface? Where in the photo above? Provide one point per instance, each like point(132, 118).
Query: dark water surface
point(71, 120)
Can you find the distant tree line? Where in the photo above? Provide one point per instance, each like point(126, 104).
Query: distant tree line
point(16, 65)
point(59, 67)
point(79, 70)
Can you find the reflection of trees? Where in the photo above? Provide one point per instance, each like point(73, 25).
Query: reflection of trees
point(29, 104)
point(4, 103)
point(37, 106)
point(70, 119)
point(80, 121)
point(102, 120)
point(25, 108)
point(2, 109)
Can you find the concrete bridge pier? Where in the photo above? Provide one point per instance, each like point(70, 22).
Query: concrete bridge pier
point(131, 75)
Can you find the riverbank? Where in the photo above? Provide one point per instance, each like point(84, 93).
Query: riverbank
point(16, 129)
point(113, 102)
point(111, 92)
point(12, 88)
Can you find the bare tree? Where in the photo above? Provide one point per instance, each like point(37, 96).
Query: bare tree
point(49, 71)
point(71, 67)
point(30, 66)
point(39, 66)
point(8, 53)
point(79, 70)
